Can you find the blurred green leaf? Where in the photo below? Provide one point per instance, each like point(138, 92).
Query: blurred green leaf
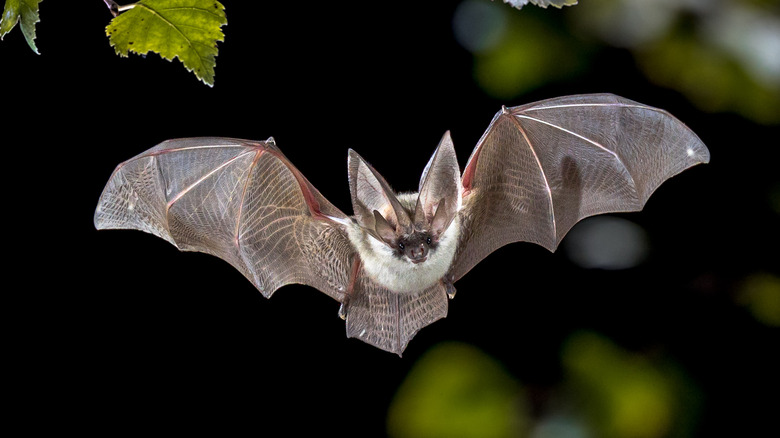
point(456, 390)
point(627, 395)
point(760, 293)
point(184, 29)
point(712, 80)
point(723, 56)
point(25, 11)
point(530, 54)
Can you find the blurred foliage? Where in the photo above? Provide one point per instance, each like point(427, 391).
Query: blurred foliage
point(517, 65)
point(716, 76)
point(625, 394)
point(24, 11)
point(512, 51)
point(456, 390)
point(760, 294)
point(722, 55)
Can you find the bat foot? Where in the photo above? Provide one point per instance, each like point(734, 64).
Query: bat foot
point(450, 288)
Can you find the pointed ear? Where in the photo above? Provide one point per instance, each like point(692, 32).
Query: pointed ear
point(383, 229)
point(442, 219)
point(371, 192)
point(440, 188)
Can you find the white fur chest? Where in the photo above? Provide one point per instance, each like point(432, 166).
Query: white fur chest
point(399, 274)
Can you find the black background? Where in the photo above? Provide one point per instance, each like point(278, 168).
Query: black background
point(119, 331)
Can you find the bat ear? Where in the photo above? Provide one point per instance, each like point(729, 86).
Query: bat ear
point(440, 189)
point(383, 229)
point(371, 192)
point(442, 219)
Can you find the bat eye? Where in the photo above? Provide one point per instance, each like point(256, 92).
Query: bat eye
point(428, 241)
point(401, 245)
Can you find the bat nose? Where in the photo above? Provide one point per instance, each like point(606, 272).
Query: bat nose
point(418, 254)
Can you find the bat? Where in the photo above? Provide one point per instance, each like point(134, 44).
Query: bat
point(536, 171)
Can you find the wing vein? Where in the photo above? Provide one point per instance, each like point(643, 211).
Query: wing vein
point(192, 148)
point(544, 176)
point(578, 105)
point(397, 321)
point(236, 238)
point(196, 183)
point(582, 137)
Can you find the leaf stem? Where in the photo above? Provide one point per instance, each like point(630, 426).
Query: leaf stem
point(116, 8)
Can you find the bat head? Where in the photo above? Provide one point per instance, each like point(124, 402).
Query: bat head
point(410, 224)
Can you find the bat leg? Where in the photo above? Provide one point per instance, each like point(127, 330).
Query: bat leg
point(350, 289)
point(449, 287)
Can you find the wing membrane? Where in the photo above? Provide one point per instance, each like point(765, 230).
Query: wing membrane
point(389, 320)
point(239, 200)
point(542, 167)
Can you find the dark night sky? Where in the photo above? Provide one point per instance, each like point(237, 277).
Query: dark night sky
point(146, 334)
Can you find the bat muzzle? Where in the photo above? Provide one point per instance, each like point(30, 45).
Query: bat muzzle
point(417, 254)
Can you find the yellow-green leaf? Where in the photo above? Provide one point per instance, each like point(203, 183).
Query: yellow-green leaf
point(184, 29)
point(25, 11)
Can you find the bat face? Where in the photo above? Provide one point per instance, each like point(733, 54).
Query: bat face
point(415, 246)
point(412, 247)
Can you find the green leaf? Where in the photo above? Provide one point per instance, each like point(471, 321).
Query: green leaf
point(25, 11)
point(184, 29)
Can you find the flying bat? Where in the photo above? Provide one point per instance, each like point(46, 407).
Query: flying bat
point(536, 171)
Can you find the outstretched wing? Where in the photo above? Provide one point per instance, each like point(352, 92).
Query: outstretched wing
point(239, 200)
point(542, 167)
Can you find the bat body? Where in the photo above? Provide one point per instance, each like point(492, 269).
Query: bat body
point(388, 266)
point(536, 171)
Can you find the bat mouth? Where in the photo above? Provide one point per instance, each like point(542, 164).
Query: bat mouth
point(417, 261)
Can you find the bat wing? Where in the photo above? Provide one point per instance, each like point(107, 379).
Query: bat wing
point(239, 200)
point(389, 320)
point(542, 167)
